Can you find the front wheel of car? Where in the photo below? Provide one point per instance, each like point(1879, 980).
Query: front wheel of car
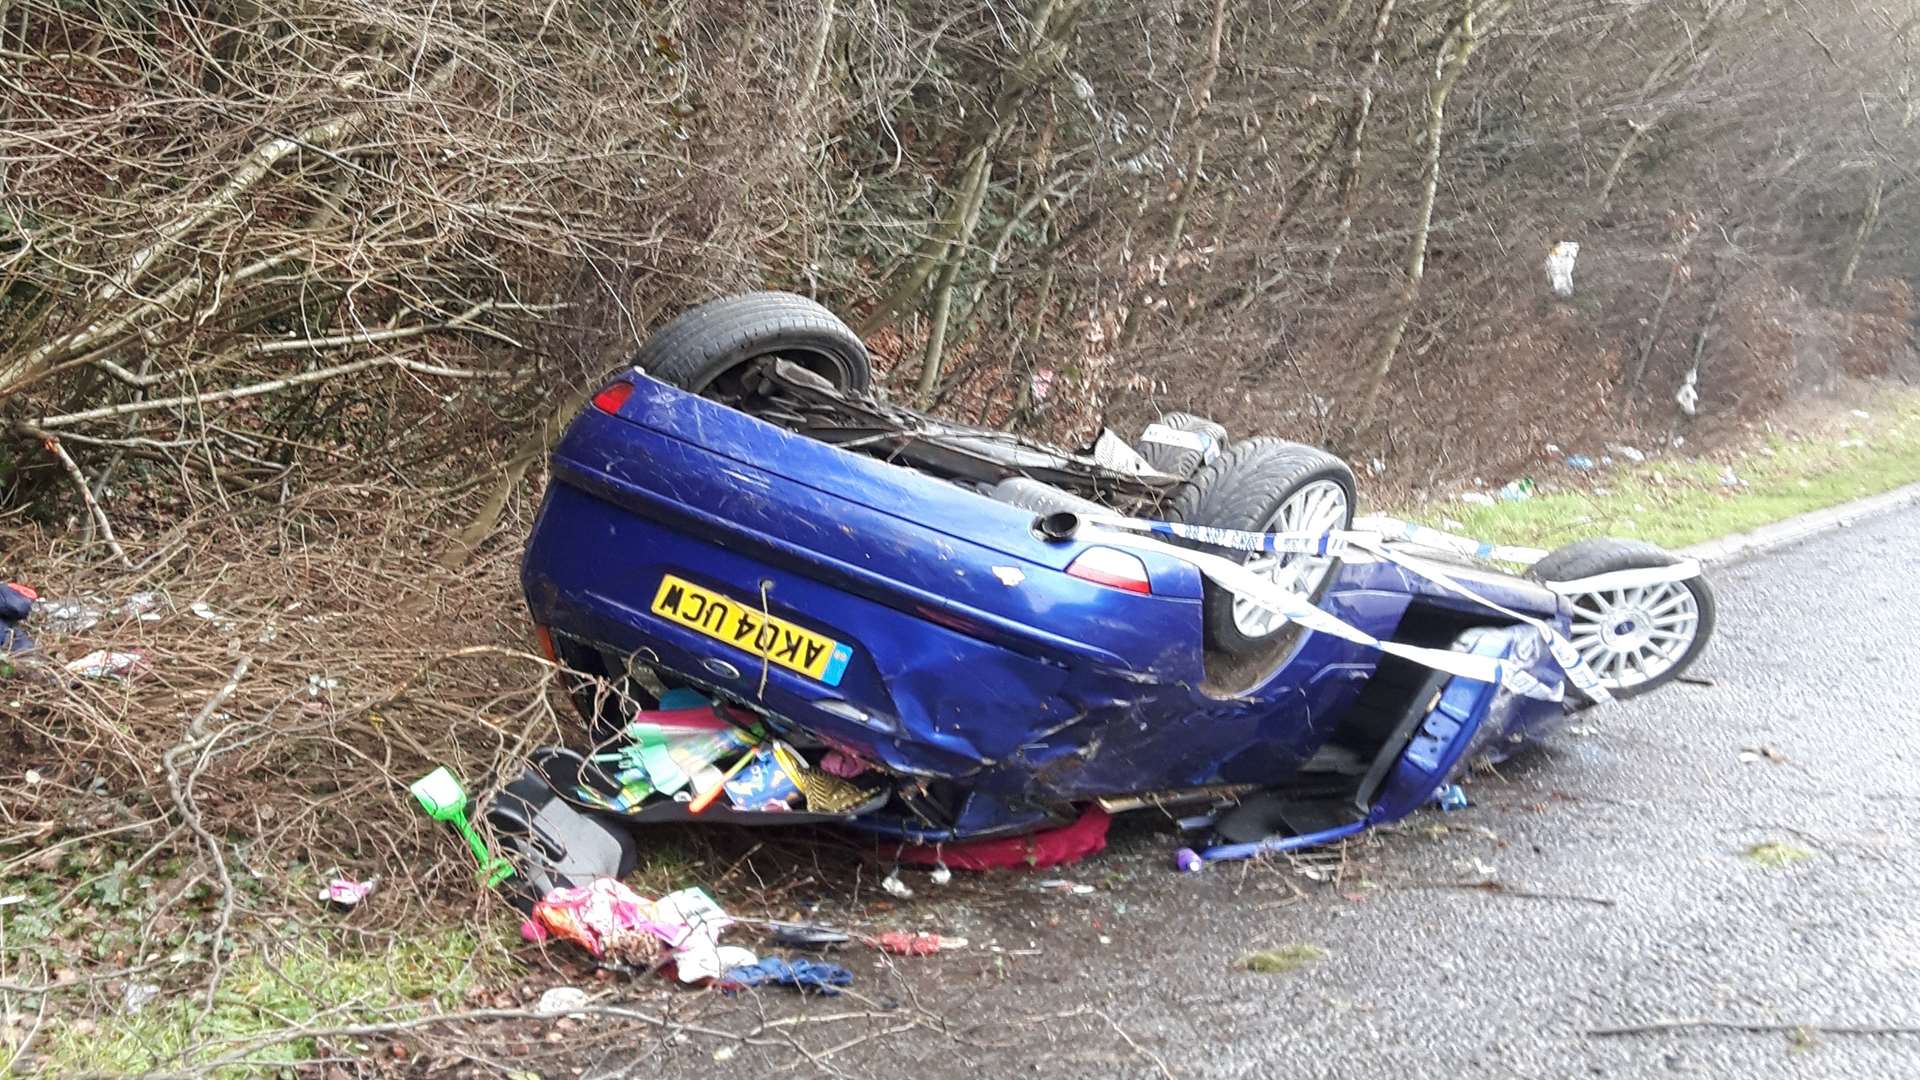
point(1639, 638)
point(1267, 485)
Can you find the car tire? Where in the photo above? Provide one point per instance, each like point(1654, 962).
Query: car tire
point(1636, 640)
point(1259, 485)
point(1182, 461)
point(700, 347)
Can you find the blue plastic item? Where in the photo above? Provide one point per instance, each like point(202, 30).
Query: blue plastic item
point(1450, 798)
point(991, 692)
point(804, 975)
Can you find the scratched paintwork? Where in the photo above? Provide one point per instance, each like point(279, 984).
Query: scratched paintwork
point(1032, 696)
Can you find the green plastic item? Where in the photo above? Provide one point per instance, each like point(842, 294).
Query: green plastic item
point(445, 800)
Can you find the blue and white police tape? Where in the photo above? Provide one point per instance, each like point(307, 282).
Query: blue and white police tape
point(1294, 608)
point(1381, 541)
point(1395, 530)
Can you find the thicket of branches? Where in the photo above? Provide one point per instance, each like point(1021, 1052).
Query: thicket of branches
point(245, 243)
point(293, 295)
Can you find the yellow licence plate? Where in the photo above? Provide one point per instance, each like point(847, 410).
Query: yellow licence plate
point(727, 620)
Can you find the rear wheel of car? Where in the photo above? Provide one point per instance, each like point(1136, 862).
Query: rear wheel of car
point(1178, 458)
point(1635, 639)
point(705, 348)
point(1266, 485)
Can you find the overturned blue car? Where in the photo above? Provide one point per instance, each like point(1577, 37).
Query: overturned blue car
point(982, 634)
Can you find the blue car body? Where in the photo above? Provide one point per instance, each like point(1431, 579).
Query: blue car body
point(974, 665)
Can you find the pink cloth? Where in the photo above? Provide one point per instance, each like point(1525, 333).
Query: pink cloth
point(1035, 851)
point(843, 765)
point(603, 917)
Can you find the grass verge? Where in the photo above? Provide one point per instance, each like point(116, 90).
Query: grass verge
point(1675, 502)
point(305, 984)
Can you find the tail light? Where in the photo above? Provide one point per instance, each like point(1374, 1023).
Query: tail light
point(543, 638)
point(615, 395)
point(1114, 569)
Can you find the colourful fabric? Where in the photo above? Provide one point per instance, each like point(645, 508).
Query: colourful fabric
point(1035, 851)
point(604, 917)
point(907, 943)
point(802, 975)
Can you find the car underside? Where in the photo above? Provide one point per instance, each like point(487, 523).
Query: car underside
point(980, 634)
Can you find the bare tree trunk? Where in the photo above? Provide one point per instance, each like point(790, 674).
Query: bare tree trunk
point(1356, 139)
point(943, 288)
point(932, 253)
point(1669, 74)
point(1189, 178)
point(1473, 20)
point(1869, 221)
point(816, 56)
point(1675, 274)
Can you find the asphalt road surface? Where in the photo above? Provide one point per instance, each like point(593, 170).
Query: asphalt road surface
point(1631, 896)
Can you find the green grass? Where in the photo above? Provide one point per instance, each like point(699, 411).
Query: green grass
point(304, 983)
point(1777, 854)
point(1674, 502)
point(1284, 960)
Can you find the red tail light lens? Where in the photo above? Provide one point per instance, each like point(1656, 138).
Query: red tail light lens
point(615, 395)
point(1114, 569)
point(544, 640)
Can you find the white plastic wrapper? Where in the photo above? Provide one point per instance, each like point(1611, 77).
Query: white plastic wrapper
point(1688, 397)
point(1560, 260)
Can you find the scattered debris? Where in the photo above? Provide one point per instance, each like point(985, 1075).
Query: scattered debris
point(907, 943)
point(1728, 478)
point(802, 975)
point(16, 603)
point(1064, 886)
point(1284, 960)
point(940, 874)
point(1776, 854)
point(1188, 861)
point(806, 936)
point(604, 917)
point(895, 887)
point(440, 793)
point(1560, 260)
point(346, 892)
point(1087, 835)
point(1751, 754)
point(1450, 798)
point(1517, 490)
point(1581, 462)
point(108, 664)
point(1862, 414)
point(71, 616)
point(1688, 396)
point(1476, 498)
point(136, 995)
point(691, 924)
point(560, 1001)
point(1628, 452)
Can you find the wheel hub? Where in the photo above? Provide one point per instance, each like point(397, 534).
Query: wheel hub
point(1630, 636)
point(1627, 630)
point(1316, 508)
